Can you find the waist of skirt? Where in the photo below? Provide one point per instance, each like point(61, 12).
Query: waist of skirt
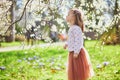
point(73, 51)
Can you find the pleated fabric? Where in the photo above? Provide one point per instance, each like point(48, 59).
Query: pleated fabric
point(79, 68)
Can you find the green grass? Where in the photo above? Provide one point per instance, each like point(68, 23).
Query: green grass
point(49, 63)
point(7, 44)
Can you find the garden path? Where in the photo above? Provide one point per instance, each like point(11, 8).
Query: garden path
point(24, 47)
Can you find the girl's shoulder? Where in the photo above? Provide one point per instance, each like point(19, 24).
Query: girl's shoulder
point(76, 27)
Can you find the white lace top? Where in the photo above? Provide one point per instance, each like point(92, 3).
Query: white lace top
point(75, 39)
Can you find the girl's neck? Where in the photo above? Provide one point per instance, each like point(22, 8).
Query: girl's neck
point(71, 25)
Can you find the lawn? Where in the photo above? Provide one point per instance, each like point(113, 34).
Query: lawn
point(49, 63)
point(7, 44)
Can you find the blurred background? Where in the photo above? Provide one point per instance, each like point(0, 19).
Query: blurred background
point(33, 33)
point(44, 20)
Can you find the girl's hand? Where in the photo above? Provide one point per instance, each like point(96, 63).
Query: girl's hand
point(75, 55)
point(65, 46)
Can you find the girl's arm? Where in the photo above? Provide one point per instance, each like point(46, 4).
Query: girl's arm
point(78, 39)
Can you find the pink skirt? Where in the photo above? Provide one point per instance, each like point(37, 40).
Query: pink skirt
point(79, 68)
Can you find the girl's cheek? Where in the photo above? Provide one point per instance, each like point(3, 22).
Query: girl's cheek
point(67, 19)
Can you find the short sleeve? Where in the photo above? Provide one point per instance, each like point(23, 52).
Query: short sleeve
point(78, 39)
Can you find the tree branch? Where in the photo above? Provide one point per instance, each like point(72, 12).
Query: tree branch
point(20, 17)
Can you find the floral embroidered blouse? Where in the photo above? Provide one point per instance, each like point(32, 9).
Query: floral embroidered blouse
point(75, 39)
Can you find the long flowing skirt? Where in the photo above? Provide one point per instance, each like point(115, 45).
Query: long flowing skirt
point(79, 68)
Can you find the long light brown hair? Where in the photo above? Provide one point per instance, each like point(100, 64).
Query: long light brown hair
point(78, 18)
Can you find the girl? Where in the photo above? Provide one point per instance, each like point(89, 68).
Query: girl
point(79, 66)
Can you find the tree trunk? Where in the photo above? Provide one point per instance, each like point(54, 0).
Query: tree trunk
point(118, 32)
point(10, 37)
point(117, 21)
